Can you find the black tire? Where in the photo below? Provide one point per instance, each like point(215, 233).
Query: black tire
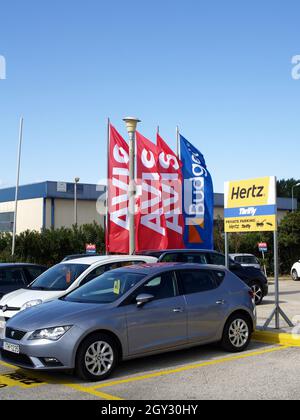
point(295, 275)
point(228, 343)
point(258, 292)
point(83, 356)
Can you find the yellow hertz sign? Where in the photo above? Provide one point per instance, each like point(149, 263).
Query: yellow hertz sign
point(250, 206)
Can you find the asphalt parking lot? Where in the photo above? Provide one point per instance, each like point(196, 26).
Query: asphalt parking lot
point(289, 302)
point(263, 372)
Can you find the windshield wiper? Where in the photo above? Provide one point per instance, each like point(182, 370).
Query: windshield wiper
point(38, 288)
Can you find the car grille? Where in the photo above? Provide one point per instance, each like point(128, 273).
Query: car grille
point(14, 334)
point(19, 359)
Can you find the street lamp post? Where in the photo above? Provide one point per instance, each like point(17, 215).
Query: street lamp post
point(295, 186)
point(131, 124)
point(75, 200)
point(17, 188)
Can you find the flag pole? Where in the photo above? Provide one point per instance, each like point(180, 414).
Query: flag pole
point(107, 189)
point(17, 187)
point(177, 141)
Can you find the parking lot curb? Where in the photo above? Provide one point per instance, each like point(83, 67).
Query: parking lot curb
point(285, 339)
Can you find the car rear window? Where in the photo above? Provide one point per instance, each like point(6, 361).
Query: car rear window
point(246, 260)
point(197, 281)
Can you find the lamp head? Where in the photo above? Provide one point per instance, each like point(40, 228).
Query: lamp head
point(77, 180)
point(131, 124)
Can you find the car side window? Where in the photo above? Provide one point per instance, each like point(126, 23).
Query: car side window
point(169, 258)
point(11, 277)
point(192, 258)
point(161, 287)
point(217, 259)
point(107, 267)
point(197, 281)
point(93, 274)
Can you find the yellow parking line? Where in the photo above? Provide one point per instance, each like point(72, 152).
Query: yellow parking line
point(94, 392)
point(49, 381)
point(190, 367)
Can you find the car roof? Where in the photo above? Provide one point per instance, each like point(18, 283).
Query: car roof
point(156, 268)
point(9, 265)
point(242, 255)
point(107, 259)
point(180, 251)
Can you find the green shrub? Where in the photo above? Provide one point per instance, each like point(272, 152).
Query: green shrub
point(51, 245)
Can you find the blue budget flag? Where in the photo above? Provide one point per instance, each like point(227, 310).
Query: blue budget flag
point(198, 198)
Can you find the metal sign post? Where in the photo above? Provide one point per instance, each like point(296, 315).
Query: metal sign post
point(277, 311)
point(251, 206)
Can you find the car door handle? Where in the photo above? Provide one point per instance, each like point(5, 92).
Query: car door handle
point(220, 302)
point(178, 310)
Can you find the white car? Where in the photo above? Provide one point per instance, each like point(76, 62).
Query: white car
point(62, 279)
point(295, 271)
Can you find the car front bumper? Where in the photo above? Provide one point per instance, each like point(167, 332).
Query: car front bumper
point(34, 353)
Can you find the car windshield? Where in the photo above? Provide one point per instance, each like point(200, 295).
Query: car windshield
point(106, 288)
point(59, 277)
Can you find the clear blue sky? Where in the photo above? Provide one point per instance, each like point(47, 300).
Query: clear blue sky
point(220, 69)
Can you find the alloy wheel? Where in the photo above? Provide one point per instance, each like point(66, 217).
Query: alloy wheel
point(99, 358)
point(258, 293)
point(238, 333)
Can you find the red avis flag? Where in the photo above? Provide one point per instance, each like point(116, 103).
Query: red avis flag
point(117, 237)
point(150, 221)
point(171, 180)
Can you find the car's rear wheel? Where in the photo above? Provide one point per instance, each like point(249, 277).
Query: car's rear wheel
point(295, 276)
point(96, 358)
point(257, 292)
point(237, 333)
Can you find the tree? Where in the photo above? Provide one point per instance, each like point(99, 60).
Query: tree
point(289, 241)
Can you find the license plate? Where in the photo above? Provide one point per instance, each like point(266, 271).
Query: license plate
point(12, 348)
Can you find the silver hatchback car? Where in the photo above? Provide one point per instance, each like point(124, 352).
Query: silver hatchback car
point(132, 312)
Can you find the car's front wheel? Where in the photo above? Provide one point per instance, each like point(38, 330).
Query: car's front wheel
point(295, 276)
point(237, 333)
point(96, 358)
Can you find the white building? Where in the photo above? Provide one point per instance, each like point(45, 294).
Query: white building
point(51, 205)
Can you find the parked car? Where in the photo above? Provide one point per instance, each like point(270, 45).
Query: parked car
point(253, 277)
point(246, 260)
point(18, 276)
point(132, 312)
point(295, 271)
point(62, 279)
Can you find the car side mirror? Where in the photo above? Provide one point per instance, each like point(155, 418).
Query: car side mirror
point(141, 300)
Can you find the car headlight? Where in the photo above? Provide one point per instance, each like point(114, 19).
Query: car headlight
point(52, 334)
point(31, 303)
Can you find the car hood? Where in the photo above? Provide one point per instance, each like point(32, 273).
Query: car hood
point(18, 298)
point(53, 314)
